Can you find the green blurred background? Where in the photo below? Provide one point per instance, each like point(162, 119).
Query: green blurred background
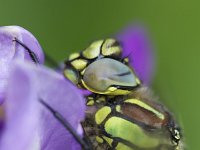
point(70, 25)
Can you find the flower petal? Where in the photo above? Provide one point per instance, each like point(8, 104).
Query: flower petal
point(10, 50)
point(137, 46)
point(21, 113)
point(66, 99)
point(28, 119)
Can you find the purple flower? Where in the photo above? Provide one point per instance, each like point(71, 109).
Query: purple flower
point(137, 46)
point(10, 50)
point(29, 125)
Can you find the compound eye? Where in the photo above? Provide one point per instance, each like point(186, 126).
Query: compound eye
point(106, 73)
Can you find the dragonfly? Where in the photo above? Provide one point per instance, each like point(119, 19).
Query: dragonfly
point(122, 113)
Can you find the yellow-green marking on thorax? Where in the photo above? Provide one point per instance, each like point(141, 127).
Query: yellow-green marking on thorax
point(93, 50)
point(111, 47)
point(118, 108)
point(101, 114)
point(121, 128)
point(121, 146)
point(99, 139)
point(108, 140)
point(71, 75)
point(79, 64)
point(147, 107)
point(74, 56)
